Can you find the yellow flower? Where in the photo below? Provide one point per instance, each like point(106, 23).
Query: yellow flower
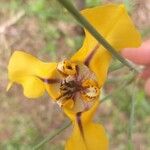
point(75, 84)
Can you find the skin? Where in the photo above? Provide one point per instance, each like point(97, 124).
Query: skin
point(141, 56)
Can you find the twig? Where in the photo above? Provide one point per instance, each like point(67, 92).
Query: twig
point(123, 85)
point(132, 116)
point(51, 136)
point(11, 21)
point(115, 67)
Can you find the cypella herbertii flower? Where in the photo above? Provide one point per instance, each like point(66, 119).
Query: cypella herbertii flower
point(75, 84)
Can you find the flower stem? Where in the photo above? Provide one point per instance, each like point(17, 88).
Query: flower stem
point(84, 22)
point(51, 136)
point(115, 67)
point(132, 116)
point(123, 84)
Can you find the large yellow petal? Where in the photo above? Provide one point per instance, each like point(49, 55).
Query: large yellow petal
point(113, 22)
point(28, 71)
point(86, 134)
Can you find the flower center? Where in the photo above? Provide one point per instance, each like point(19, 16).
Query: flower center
point(78, 88)
point(68, 88)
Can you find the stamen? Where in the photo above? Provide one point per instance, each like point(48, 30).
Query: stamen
point(68, 88)
point(66, 67)
point(91, 90)
point(90, 56)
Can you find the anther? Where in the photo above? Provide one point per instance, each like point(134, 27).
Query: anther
point(67, 68)
point(91, 90)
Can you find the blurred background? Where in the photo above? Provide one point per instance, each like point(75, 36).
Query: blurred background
point(46, 30)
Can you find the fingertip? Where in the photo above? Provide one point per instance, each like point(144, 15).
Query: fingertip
point(126, 52)
point(130, 53)
point(138, 55)
point(145, 73)
point(147, 87)
point(145, 44)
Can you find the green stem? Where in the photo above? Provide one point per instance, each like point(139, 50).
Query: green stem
point(51, 136)
point(115, 67)
point(132, 117)
point(131, 77)
point(121, 79)
point(84, 22)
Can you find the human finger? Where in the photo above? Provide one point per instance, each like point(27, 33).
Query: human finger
point(139, 55)
point(146, 73)
point(147, 87)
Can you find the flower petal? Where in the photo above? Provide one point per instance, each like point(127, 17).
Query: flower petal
point(113, 22)
point(86, 135)
point(28, 71)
